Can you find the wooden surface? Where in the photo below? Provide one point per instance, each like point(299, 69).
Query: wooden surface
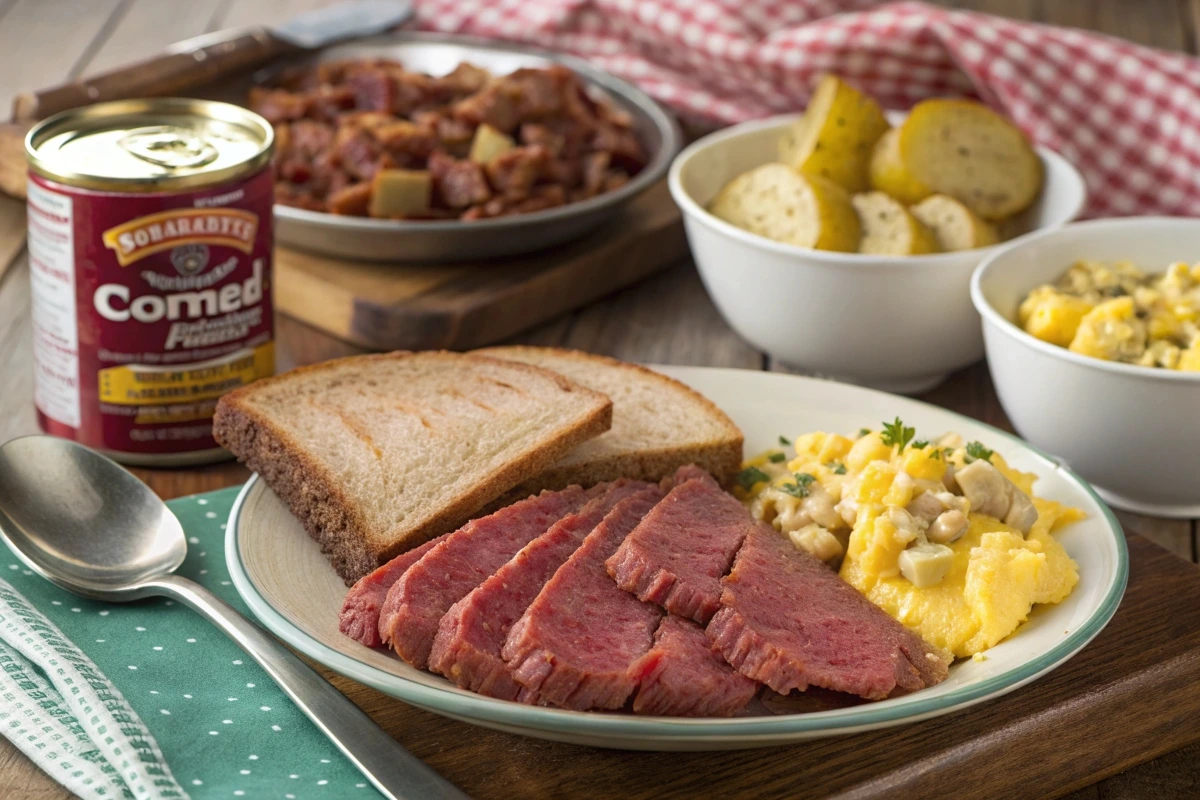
point(666, 319)
point(463, 306)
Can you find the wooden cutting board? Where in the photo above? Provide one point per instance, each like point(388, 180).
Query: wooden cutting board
point(1129, 696)
point(461, 306)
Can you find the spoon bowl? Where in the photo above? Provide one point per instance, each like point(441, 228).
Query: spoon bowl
point(83, 522)
point(86, 524)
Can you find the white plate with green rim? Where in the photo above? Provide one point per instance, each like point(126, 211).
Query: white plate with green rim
point(283, 577)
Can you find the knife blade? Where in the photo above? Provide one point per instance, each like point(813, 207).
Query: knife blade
point(208, 58)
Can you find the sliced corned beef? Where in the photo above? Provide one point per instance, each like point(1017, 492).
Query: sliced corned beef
point(682, 676)
point(469, 638)
point(575, 643)
point(415, 604)
point(360, 612)
point(679, 552)
point(789, 621)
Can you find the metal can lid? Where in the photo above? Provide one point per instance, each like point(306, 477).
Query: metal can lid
point(150, 145)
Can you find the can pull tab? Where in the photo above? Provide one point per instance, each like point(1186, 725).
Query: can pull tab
point(168, 146)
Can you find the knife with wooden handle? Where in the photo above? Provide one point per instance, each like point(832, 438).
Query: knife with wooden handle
point(201, 61)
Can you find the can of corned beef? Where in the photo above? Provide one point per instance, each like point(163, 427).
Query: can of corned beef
point(150, 238)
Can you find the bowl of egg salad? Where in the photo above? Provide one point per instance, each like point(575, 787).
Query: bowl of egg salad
point(1092, 334)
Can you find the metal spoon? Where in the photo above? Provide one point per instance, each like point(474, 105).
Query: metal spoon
point(91, 527)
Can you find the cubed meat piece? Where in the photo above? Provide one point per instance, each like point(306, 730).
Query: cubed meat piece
point(622, 144)
point(278, 105)
point(400, 193)
point(566, 172)
point(465, 79)
point(537, 133)
point(287, 194)
point(308, 139)
point(494, 105)
point(595, 172)
point(407, 138)
point(327, 103)
point(488, 144)
point(351, 200)
point(374, 89)
point(358, 153)
point(514, 172)
point(458, 184)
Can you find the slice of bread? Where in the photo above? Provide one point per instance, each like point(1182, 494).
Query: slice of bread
point(658, 424)
point(376, 454)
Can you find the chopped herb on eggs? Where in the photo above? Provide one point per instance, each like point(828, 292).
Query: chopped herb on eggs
point(786, 442)
point(836, 467)
point(748, 477)
point(802, 485)
point(977, 452)
point(896, 435)
point(777, 458)
point(921, 444)
point(863, 432)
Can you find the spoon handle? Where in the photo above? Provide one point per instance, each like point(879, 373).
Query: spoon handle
point(397, 773)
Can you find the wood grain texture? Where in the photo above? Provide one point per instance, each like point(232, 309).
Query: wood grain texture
point(462, 306)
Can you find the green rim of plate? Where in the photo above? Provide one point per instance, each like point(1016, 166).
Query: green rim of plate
point(910, 708)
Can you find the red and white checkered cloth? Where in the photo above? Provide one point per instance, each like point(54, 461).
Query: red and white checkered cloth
point(1127, 116)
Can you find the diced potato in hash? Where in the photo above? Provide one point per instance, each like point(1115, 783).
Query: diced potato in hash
point(400, 192)
point(779, 203)
point(964, 149)
point(835, 136)
point(889, 229)
point(955, 226)
point(489, 143)
point(887, 172)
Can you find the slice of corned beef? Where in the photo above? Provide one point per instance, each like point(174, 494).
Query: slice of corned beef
point(682, 676)
point(679, 552)
point(789, 621)
point(575, 643)
point(415, 604)
point(360, 612)
point(469, 638)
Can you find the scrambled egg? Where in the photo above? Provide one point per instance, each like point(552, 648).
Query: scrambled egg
point(1118, 313)
point(961, 565)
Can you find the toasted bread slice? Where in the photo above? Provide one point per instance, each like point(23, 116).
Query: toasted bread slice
point(658, 424)
point(376, 454)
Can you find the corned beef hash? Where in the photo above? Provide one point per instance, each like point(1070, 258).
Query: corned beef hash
point(371, 138)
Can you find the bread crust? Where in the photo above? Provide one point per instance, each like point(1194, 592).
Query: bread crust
point(721, 458)
point(328, 515)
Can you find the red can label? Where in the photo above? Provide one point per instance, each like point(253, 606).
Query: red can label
point(146, 309)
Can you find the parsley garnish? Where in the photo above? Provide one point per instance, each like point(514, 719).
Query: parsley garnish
point(863, 432)
point(976, 451)
point(837, 467)
point(783, 440)
point(936, 454)
point(921, 444)
point(895, 434)
point(801, 487)
point(776, 458)
point(750, 476)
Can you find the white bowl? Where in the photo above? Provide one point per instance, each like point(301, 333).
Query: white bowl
point(899, 323)
point(1132, 431)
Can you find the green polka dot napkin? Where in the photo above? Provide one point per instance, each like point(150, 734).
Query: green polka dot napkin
point(185, 710)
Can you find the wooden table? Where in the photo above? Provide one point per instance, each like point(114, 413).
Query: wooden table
point(667, 319)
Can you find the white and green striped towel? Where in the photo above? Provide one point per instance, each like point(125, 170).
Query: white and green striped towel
point(61, 711)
